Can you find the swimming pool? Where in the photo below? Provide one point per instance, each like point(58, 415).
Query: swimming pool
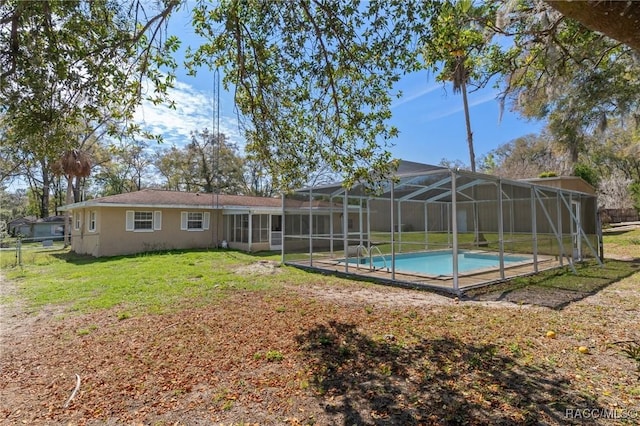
point(440, 262)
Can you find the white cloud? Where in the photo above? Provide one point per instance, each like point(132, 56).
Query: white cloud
point(454, 110)
point(193, 111)
point(415, 95)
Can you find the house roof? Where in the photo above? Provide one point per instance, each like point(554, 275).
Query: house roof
point(411, 168)
point(573, 183)
point(176, 199)
point(23, 220)
point(52, 219)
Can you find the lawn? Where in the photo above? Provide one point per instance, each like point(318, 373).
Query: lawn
point(221, 337)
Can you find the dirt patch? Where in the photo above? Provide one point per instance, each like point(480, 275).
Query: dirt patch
point(326, 352)
point(262, 267)
point(393, 298)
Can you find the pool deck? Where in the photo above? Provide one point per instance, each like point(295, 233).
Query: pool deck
point(466, 281)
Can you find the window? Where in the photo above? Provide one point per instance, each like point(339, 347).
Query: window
point(143, 221)
point(194, 221)
point(77, 221)
point(92, 221)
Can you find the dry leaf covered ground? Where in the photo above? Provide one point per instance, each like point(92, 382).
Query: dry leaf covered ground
point(327, 351)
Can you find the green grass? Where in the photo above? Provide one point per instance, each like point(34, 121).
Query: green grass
point(158, 282)
point(274, 356)
point(624, 243)
point(148, 282)
point(590, 276)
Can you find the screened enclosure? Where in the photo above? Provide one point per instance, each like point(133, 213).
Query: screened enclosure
point(438, 228)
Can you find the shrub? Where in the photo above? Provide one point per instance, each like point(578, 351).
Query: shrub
point(547, 174)
point(589, 174)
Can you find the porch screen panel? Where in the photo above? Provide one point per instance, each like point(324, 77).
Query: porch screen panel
point(260, 228)
point(239, 228)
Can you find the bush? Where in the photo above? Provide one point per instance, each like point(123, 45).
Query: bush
point(547, 174)
point(589, 174)
point(634, 189)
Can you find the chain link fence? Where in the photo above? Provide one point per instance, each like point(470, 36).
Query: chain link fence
point(16, 252)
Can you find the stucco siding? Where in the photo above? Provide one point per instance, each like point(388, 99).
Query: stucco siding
point(111, 237)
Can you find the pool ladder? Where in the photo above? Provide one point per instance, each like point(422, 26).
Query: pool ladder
point(361, 249)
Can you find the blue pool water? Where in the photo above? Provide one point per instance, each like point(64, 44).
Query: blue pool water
point(440, 262)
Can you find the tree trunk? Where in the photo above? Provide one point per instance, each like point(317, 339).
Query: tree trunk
point(76, 191)
point(480, 240)
point(66, 213)
point(619, 20)
point(467, 119)
point(46, 189)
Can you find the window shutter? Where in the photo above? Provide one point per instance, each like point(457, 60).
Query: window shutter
point(205, 220)
point(129, 225)
point(183, 220)
point(157, 220)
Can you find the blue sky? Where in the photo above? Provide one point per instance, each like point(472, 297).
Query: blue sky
point(429, 116)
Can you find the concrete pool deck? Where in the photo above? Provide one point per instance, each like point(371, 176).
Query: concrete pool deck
point(466, 281)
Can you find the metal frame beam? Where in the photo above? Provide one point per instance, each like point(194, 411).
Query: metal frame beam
point(426, 188)
point(555, 231)
point(580, 228)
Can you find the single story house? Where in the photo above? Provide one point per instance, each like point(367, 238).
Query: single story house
point(31, 227)
point(152, 220)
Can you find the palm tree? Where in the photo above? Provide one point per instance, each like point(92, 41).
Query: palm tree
point(73, 163)
point(453, 51)
point(459, 78)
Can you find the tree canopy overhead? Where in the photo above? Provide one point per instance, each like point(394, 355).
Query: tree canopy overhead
point(313, 81)
point(619, 20)
point(73, 70)
point(559, 70)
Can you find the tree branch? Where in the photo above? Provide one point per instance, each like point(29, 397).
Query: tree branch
point(619, 20)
